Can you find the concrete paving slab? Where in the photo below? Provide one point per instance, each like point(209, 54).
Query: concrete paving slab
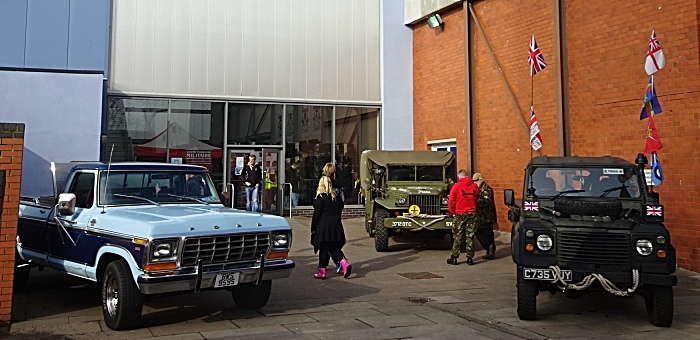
point(445, 299)
point(274, 320)
point(247, 332)
point(53, 328)
point(189, 327)
point(322, 327)
point(345, 314)
point(396, 321)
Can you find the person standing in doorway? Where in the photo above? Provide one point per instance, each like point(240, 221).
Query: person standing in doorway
point(485, 217)
point(462, 205)
point(292, 176)
point(252, 177)
point(327, 234)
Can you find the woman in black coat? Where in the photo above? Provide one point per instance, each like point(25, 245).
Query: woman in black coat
point(327, 234)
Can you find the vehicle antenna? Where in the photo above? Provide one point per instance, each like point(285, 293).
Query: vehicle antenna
point(109, 164)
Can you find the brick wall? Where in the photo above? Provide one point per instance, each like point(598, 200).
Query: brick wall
point(11, 148)
point(438, 83)
point(607, 46)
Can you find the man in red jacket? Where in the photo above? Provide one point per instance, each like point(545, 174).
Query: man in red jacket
point(462, 205)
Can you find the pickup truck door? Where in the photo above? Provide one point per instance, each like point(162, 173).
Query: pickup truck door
point(70, 246)
point(32, 231)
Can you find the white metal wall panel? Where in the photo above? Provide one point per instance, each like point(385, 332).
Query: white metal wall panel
point(311, 50)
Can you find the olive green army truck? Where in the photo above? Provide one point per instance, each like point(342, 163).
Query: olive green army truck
point(405, 191)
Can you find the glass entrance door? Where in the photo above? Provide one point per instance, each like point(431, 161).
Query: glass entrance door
point(267, 194)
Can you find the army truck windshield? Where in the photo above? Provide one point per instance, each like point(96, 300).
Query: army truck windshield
point(405, 191)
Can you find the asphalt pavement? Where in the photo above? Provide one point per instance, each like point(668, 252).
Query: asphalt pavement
point(408, 292)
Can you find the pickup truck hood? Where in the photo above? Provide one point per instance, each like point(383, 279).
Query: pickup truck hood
point(184, 220)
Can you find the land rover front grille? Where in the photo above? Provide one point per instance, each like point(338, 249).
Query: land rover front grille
point(593, 247)
point(224, 248)
point(428, 204)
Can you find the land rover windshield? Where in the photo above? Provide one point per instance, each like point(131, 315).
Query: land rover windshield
point(412, 173)
point(155, 187)
point(615, 182)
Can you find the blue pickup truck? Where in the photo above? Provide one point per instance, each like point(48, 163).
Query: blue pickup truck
point(150, 228)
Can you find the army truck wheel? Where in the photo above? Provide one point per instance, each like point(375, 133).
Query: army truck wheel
point(659, 303)
point(527, 299)
point(121, 299)
point(368, 228)
point(251, 296)
point(381, 234)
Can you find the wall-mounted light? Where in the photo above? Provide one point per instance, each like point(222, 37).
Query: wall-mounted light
point(434, 21)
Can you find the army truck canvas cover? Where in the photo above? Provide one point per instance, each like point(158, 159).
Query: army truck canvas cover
point(405, 191)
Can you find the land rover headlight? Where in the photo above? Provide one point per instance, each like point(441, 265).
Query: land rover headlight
point(544, 242)
point(401, 200)
point(280, 240)
point(444, 201)
point(645, 247)
point(163, 249)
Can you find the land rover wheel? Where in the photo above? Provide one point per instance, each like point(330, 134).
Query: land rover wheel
point(250, 295)
point(527, 299)
point(381, 234)
point(659, 303)
point(121, 299)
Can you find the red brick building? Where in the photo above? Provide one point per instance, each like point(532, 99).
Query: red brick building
point(587, 100)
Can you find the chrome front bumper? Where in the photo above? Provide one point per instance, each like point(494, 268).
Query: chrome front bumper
point(196, 279)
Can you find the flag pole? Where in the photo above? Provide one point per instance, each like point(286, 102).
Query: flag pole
point(532, 105)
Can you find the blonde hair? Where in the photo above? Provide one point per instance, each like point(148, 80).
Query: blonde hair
point(328, 170)
point(325, 186)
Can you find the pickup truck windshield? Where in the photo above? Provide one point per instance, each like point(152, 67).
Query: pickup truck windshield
point(155, 187)
point(415, 173)
point(586, 182)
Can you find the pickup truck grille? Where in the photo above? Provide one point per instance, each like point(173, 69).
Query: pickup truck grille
point(224, 248)
point(593, 247)
point(429, 204)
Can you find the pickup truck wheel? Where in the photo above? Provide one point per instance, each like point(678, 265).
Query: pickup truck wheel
point(250, 295)
point(381, 234)
point(527, 299)
point(659, 303)
point(121, 299)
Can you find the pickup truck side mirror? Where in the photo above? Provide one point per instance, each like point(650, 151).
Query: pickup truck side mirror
point(509, 197)
point(66, 204)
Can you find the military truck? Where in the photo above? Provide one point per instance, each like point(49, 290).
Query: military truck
point(588, 219)
point(405, 191)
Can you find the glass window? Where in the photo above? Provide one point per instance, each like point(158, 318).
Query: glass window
point(588, 182)
point(347, 150)
point(308, 143)
point(255, 124)
point(402, 173)
point(135, 129)
point(146, 187)
point(429, 173)
point(81, 187)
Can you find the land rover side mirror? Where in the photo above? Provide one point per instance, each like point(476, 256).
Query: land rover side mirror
point(509, 197)
point(66, 204)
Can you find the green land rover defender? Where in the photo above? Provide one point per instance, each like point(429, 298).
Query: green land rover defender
point(405, 191)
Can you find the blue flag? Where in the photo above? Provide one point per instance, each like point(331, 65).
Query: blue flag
point(651, 102)
point(657, 175)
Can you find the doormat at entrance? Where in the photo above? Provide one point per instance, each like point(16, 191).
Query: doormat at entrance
point(420, 276)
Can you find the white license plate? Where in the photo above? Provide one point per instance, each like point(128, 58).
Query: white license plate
point(226, 280)
point(545, 274)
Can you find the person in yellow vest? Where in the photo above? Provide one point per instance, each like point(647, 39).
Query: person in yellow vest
point(270, 185)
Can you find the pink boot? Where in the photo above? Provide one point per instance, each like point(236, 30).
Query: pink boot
point(321, 274)
point(347, 268)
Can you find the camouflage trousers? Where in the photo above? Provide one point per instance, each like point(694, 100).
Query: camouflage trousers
point(463, 231)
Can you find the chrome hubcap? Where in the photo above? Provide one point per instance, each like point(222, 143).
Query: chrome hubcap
point(111, 295)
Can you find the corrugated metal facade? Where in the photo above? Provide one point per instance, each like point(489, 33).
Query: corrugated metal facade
point(301, 50)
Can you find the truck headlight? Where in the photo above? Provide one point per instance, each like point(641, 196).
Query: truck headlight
point(280, 240)
point(544, 242)
point(401, 200)
point(161, 249)
point(644, 247)
point(444, 201)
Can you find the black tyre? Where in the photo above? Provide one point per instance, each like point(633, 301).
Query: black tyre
point(368, 228)
point(568, 206)
point(527, 299)
point(381, 234)
point(121, 299)
point(250, 295)
point(659, 303)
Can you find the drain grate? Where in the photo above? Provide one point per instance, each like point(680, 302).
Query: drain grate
point(420, 276)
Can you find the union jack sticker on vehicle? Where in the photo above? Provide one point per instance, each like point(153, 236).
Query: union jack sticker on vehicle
point(654, 210)
point(532, 206)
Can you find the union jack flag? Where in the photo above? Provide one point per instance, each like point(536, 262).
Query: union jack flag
point(535, 138)
point(532, 206)
point(654, 210)
point(655, 56)
point(535, 58)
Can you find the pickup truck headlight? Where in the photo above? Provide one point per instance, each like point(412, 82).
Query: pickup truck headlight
point(401, 200)
point(281, 240)
point(163, 249)
point(645, 247)
point(544, 242)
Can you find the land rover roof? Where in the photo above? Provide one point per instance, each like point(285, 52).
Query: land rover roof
point(579, 161)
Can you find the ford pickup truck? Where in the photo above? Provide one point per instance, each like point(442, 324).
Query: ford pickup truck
point(150, 228)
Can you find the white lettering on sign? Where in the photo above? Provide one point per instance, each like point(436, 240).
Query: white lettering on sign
point(401, 224)
point(449, 224)
point(613, 172)
point(423, 192)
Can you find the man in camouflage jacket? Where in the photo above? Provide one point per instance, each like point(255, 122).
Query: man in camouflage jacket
point(485, 217)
